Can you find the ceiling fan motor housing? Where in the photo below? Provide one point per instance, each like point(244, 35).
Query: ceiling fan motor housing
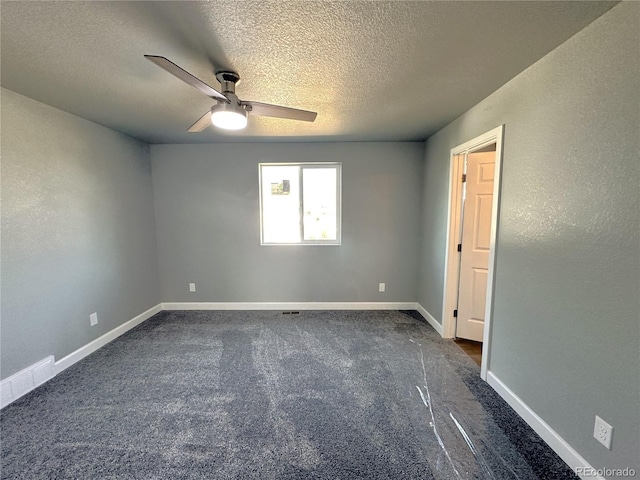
point(228, 81)
point(231, 115)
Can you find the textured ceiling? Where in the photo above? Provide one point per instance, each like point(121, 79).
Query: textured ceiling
point(372, 70)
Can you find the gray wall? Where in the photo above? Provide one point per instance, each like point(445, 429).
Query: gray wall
point(566, 325)
point(206, 200)
point(78, 233)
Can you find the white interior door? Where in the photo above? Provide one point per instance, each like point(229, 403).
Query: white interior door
point(476, 242)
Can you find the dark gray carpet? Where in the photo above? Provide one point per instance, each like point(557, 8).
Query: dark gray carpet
point(248, 395)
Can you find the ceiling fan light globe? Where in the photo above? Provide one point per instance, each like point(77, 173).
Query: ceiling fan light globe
point(229, 119)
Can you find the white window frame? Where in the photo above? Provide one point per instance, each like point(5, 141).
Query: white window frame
point(303, 166)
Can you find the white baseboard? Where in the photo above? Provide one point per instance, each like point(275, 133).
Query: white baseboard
point(548, 434)
point(289, 306)
point(99, 342)
point(21, 383)
point(432, 321)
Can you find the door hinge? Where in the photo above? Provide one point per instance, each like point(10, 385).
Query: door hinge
point(455, 313)
point(464, 177)
point(459, 247)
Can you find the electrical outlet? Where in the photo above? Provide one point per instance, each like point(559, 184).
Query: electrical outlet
point(381, 287)
point(192, 287)
point(93, 319)
point(603, 432)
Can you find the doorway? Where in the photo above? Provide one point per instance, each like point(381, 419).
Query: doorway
point(472, 227)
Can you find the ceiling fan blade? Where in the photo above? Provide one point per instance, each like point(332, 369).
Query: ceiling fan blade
point(185, 76)
point(268, 110)
point(203, 122)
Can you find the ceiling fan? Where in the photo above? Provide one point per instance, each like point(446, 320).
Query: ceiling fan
point(229, 112)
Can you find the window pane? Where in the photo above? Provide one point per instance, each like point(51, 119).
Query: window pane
point(319, 203)
point(280, 204)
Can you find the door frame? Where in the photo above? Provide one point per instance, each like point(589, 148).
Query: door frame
point(454, 214)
